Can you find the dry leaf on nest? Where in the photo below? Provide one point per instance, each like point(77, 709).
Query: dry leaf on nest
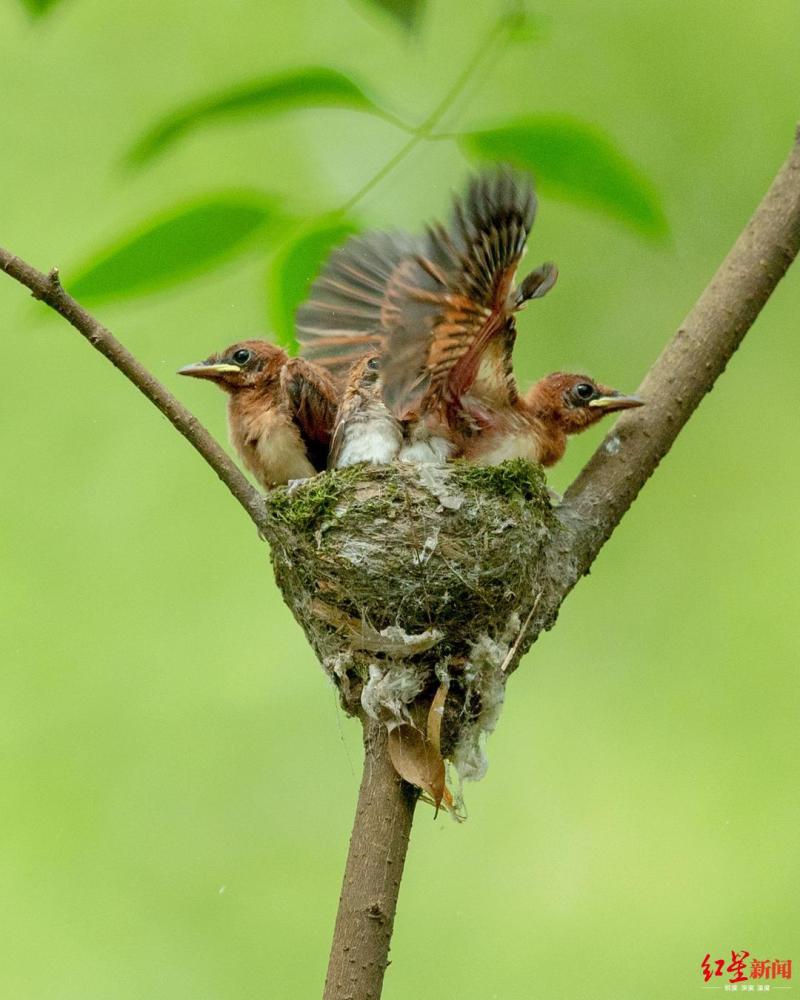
point(434, 727)
point(417, 757)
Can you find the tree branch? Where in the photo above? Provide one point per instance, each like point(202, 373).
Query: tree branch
point(692, 361)
point(48, 289)
point(683, 374)
point(593, 506)
point(368, 900)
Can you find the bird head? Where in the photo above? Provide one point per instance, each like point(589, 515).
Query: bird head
point(575, 402)
point(247, 364)
point(365, 376)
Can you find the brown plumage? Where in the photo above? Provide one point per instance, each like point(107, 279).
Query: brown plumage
point(365, 430)
point(453, 307)
point(440, 309)
point(281, 410)
point(537, 425)
point(347, 314)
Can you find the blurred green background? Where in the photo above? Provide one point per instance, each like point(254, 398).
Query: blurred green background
point(177, 780)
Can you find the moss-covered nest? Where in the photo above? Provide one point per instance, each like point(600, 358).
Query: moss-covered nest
point(404, 577)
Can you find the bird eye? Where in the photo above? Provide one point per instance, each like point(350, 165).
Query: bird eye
point(373, 364)
point(584, 392)
point(242, 356)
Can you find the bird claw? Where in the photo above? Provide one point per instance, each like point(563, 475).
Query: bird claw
point(294, 485)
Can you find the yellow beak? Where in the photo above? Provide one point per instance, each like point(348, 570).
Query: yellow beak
point(609, 404)
point(202, 369)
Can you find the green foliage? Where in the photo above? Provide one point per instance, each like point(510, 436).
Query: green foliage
point(406, 13)
point(37, 8)
point(311, 87)
point(575, 161)
point(294, 268)
point(524, 27)
point(570, 158)
point(179, 245)
point(177, 780)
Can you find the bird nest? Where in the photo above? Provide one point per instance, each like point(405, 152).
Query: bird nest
point(409, 578)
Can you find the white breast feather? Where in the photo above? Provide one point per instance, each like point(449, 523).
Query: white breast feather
point(374, 441)
point(271, 448)
point(509, 446)
point(428, 451)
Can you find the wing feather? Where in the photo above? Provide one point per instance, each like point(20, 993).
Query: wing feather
point(458, 296)
point(314, 400)
point(345, 317)
point(431, 305)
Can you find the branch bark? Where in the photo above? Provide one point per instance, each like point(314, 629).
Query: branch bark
point(378, 845)
point(592, 508)
point(692, 361)
point(48, 288)
point(596, 502)
point(682, 375)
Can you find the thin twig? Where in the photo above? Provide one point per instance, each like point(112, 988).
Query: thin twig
point(520, 635)
point(47, 287)
point(484, 51)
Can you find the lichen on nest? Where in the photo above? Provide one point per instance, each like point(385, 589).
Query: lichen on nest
point(406, 576)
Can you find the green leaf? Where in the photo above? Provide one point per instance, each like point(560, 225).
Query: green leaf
point(314, 87)
point(294, 269)
point(406, 13)
point(175, 246)
point(38, 8)
point(524, 26)
point(575, 161)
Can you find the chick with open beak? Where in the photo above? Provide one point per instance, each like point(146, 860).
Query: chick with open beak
point(281, 410)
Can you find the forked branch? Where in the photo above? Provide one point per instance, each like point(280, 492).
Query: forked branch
point(691, 362)
point(593, 506)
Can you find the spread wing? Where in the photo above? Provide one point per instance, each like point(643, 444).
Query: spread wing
point(347, 314)
point(457, 296)
point(431, 306)
point(314, 400)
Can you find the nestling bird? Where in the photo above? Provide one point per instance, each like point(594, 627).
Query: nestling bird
point(346, 314)
point(439, 308)
point(281, 410)
point(452, 308)
point(536, 426)
point(365, 430)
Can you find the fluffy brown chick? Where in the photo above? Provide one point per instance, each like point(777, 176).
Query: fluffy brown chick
point(538, 424)
point(281, 410)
